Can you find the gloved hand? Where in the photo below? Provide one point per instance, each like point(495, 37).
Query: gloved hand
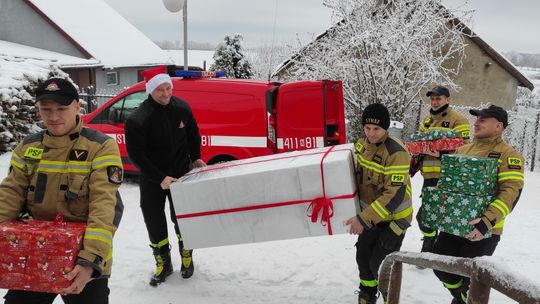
point(391, 237)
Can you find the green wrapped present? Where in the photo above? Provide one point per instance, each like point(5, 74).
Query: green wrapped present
point(432, 207)
point(451, 212)
point(460, 209)
point(432, 135)
point(468, 175)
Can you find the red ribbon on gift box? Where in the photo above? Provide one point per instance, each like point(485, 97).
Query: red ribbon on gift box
point(316, 205)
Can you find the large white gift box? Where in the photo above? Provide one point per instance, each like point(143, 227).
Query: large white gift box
point(275, 197)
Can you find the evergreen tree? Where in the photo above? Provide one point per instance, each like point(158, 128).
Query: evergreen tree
point(229, 57)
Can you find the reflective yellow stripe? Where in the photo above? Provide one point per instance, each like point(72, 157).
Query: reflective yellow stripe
point(403, 214)
point(17, 161)
point(397, 171)
point(370, 165)
point(430, 234)
point(381, 211)
point(106, 161)
point(63, 167)
point(501, 206)
point(369, 283)
point(511, 175)
point(99, 234)
point(381, 169)
point(453, 286)
point(409, 191)
point(395, 227)
point(499, 224)
point(161, 243)
point(460, 128)
point(438, 128)
point(433, 169)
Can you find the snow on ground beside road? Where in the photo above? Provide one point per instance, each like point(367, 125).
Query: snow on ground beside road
point(308, 270)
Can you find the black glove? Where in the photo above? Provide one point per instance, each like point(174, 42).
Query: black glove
point(416, 161)
point(389, 237)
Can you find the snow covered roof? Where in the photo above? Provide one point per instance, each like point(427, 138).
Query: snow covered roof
point(108, 37)
point(28, 52)
point(17, 73)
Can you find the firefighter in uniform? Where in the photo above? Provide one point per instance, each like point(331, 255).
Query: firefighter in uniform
point(488, 128)
point(163, 141)
point(382, 165)
point(71, 170)
point(442, 117)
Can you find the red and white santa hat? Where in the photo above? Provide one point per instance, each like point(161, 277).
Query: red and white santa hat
point(156, 77)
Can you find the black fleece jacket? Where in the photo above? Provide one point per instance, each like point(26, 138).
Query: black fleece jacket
point(163, 140)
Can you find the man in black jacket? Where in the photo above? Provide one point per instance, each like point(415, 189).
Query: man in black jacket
point(163, 141)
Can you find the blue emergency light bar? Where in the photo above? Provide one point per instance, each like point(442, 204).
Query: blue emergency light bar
point(198, 74)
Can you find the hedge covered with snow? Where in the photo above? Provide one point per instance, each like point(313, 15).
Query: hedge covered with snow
point(19, 78)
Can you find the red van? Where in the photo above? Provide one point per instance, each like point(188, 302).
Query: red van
point(240, 118)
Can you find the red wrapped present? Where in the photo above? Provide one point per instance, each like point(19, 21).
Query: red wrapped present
point(443, 144)
point(36, 255)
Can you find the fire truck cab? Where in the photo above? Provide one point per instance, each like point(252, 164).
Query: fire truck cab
point(240, 118)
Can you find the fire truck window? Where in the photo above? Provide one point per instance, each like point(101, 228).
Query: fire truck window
point(129, 105)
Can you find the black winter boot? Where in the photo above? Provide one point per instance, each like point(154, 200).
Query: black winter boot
point(187, 268)
point(367, 295)
point(163, 265)
point(459, 294)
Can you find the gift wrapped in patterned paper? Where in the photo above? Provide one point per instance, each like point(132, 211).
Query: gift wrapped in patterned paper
point(433, 135)
point(445, 144)
point(460, 209)
point(36, 255)
point(432, 207)
point(451, 212)
point(468, 175)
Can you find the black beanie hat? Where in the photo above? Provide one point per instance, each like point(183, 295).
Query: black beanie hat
point(376, 114)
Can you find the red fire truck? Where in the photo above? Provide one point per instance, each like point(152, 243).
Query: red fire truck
point(240, 118)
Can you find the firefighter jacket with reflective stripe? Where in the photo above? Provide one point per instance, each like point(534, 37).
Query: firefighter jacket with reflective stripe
point(163, 140)
point(384, 186)
point(446, 120)
point(76, 175)
point(510, 178)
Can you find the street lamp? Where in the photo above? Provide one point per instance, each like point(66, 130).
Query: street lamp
point(175, 6)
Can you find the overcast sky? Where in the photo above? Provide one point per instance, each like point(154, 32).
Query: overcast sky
point(507, 25)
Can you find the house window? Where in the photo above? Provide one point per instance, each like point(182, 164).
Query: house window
point(112, 78)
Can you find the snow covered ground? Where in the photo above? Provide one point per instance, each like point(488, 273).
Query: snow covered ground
point(309, 270)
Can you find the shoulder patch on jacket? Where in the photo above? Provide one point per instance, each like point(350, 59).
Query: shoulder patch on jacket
point(397, 179)
point(115, 174)
point(393, 146)
point(33, 138)
point(446, 124)
point(514, 163)
point(94, 135)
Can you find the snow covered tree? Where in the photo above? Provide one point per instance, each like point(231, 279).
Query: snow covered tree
point(229, 57)
point(265, 58)
point(385, 51)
